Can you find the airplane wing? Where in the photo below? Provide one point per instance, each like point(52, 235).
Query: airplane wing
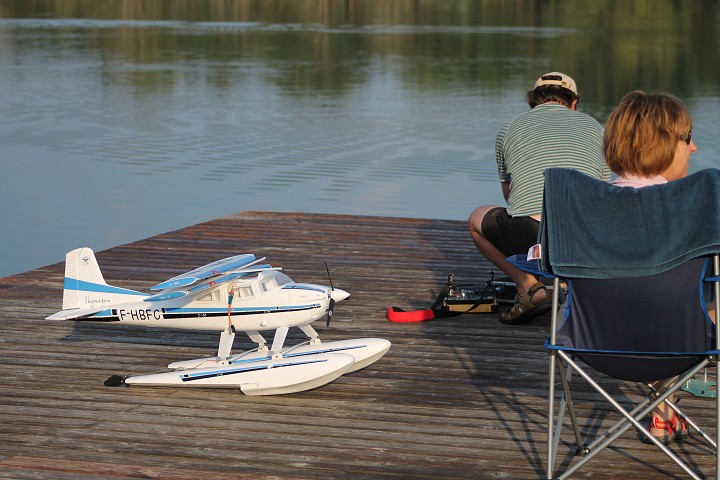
point(259, 268)
point(175, 292)
point(75, 313)
point(208, 271)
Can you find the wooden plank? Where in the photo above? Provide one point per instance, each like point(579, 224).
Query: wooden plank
point(462, 397)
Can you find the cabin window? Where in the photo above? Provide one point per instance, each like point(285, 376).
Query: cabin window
point(244, 292)
point(210, 297)
point(268, 285)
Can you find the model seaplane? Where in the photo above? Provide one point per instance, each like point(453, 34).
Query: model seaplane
point(235, 293)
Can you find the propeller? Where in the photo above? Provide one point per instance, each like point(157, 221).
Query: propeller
point(336, 295)
point(330, 312)
point(332, 300)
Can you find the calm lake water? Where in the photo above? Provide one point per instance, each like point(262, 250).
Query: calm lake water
point(121, 120)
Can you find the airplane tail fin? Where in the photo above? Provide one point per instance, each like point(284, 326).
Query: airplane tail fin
point(85, 286)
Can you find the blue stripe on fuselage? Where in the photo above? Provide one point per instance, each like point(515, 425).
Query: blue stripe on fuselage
point(280, 308)
point(110, 315)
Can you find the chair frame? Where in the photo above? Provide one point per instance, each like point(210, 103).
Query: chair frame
point(563, 363)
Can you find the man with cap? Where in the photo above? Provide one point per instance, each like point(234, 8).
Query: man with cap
point(551, 134)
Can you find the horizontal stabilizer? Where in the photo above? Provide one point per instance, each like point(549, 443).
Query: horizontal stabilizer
point(74, 313)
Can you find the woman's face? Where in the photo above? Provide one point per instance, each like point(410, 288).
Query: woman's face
point(679, 167)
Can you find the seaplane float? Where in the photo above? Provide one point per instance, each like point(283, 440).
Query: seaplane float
point(231, 294)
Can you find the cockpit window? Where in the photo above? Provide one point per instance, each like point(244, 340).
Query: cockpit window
point(282, 279)
point(274, 281)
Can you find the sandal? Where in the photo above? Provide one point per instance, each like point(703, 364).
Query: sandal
point(524, 310)
point(672, 432)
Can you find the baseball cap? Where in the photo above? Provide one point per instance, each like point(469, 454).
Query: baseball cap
point(557, 78)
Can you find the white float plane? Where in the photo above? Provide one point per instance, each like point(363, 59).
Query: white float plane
point(235, 293)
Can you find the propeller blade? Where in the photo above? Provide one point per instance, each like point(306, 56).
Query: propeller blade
point(329, 279)
point(330, 312)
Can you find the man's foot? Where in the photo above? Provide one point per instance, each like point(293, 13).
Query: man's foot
point(527, 306)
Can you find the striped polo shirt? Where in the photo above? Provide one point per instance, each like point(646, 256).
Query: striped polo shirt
point(549, 135)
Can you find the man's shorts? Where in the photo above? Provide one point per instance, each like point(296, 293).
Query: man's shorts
point(510, 235)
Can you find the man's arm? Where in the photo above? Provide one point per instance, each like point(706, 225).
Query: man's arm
point(505, 189)
point(500, 159)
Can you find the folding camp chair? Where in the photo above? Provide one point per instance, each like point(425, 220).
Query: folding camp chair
point(637, 286)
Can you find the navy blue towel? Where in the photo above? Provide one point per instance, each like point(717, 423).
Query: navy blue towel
point(592, 229)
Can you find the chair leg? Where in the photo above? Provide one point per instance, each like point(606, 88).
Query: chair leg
point(717, 418)
point(551, 451)
point(631, 420)
point(567, 401)
point(635, 412)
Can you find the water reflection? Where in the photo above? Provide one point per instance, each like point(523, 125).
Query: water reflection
point(142, 117)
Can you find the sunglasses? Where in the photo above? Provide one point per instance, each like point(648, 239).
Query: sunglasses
point(686, 138)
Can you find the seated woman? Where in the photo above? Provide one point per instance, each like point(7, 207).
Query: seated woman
point(648, 141)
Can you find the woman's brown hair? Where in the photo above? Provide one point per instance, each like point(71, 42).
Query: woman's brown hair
point(642, 132)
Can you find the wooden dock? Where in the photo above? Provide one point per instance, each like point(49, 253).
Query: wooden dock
point(458, 398)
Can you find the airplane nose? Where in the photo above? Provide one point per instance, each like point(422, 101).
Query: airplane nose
point(338, 294)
